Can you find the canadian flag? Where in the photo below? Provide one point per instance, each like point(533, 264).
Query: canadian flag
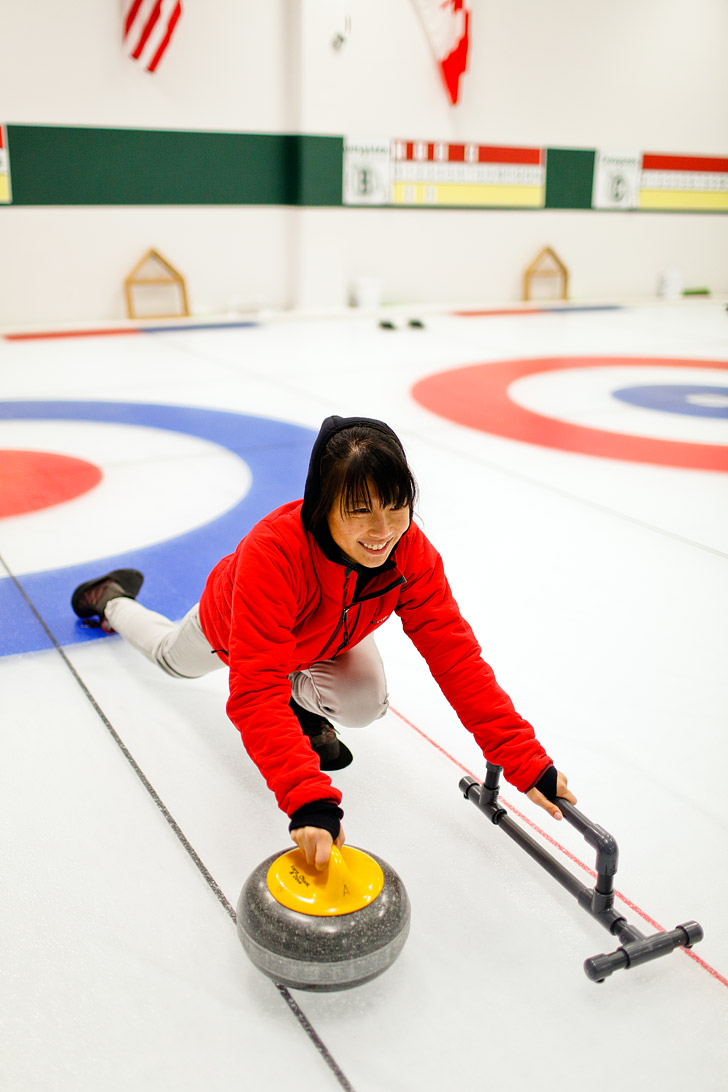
point(447, 25)
point(148, 29)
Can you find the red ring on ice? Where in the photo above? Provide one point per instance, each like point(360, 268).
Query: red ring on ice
point(477, 396)
point(31, 480)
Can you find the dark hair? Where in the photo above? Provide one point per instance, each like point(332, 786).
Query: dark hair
point(353, 460)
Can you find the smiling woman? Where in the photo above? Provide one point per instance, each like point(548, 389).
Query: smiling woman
point(293, 612)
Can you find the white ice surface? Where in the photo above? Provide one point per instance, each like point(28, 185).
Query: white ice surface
point(599, 593)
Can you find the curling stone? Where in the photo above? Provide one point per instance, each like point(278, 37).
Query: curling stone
point(328, 930)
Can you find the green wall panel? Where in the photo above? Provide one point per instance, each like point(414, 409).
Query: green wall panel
point(59, 165)
point(85, 165)
point(569, 177)
point(320, 167)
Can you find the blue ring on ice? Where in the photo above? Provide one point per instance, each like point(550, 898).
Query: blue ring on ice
point(687, 399)
point(176, 569)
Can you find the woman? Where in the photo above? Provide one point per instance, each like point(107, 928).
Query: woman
point(293, 612)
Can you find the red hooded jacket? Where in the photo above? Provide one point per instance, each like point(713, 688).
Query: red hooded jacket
point(279, 604)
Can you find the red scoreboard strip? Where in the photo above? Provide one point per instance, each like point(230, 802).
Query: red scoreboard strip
point(419, 151)
point(684, 183)
point(440, 173)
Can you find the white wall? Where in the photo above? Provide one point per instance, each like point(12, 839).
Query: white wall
point(648, 75)
point(568, 73)
point(642, 75)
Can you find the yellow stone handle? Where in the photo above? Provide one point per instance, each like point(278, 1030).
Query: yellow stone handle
point(351, 880)
point(338, 864)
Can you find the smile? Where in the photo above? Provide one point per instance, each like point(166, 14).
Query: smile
point(370, 546)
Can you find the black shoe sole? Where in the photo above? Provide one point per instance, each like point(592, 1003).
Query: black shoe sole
point(332, 756)
point(130, 580)
point(342, 759)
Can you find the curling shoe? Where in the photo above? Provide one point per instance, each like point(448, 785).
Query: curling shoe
point(89, 600)
point(332, 753)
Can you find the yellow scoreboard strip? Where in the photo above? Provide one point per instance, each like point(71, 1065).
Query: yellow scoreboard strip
point(676, 200)
point(5, 192)
point(453, 193)
point(684, 183)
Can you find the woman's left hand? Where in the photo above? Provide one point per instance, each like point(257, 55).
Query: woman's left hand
point(549, 805)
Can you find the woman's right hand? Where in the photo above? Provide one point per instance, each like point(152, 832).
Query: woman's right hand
point(315, 844)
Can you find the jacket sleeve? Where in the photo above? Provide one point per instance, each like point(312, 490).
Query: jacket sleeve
point(432, 620)
point(262, 653)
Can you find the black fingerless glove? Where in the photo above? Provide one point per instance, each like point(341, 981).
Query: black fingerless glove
point(319, 813)
point(547, 783)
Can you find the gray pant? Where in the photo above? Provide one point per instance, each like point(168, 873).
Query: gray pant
point(351, 690)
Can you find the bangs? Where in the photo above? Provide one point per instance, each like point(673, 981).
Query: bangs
point(374, 471)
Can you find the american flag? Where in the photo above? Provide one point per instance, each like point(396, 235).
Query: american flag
point(148, 29)
point(447, 25)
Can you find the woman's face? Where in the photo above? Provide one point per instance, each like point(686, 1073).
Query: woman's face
point(369, 533)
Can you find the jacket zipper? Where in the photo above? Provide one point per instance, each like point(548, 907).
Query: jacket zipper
point(341, 622)
point(347, 635)
point(344, 619)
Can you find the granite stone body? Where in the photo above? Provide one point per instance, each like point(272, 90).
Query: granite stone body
point(322, 953)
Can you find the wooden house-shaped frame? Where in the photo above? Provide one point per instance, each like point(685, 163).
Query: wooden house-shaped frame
point(546, 264)
point(153, 269)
